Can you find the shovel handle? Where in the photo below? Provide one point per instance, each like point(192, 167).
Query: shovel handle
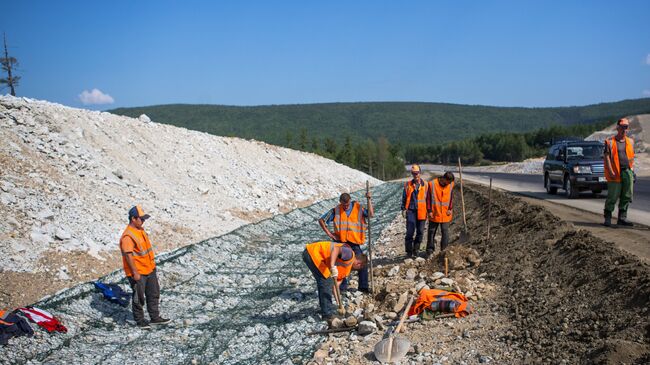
point(404, 315)
point(337, 295)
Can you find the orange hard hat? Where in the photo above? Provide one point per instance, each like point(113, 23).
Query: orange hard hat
point(415, 168)
point(623, 121)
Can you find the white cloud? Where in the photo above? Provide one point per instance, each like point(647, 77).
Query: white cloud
point(646, 92)
point(95, 96)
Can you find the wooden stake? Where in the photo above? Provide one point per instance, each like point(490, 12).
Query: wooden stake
point(446, 266)
point(462, 197)
point(372, 277)
point(489, 218)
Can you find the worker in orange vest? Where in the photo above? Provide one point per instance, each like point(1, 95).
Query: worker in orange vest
point(328, 261)
point(619, 171)
point(415, 208)
point(349, 218)
point(441, 204)
point(140, 269)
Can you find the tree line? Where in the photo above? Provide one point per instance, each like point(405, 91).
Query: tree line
point(498, 147)
point(377, 157)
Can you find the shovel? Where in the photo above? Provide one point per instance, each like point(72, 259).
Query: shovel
point(464, 234)
point(393, 349)
point(337, 296)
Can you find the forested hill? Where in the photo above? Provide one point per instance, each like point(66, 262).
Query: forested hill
point(399, 122)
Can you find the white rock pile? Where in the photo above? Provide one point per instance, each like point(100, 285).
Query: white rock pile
point(68, 177)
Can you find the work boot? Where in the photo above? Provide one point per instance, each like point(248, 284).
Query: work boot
point(143, 325)
point(622, 220)
point(428, 254)
point(608, 219)
point(160, 320)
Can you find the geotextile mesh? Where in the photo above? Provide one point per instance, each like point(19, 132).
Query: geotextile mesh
point(242, 298)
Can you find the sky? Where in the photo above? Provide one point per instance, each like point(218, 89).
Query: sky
point(107, 54)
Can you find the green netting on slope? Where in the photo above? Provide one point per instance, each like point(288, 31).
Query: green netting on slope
point(230, 299)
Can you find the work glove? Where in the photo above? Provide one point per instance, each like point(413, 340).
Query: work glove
point(334, 271)
point(404, 214)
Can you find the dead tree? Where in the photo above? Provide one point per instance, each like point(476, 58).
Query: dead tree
point(8, 65)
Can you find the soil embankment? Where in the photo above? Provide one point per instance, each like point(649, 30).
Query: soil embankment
point(542, 290)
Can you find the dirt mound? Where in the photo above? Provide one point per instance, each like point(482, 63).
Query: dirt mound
point(543, 292)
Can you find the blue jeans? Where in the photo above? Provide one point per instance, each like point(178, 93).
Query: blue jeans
point(324, 286)
point(413, 225)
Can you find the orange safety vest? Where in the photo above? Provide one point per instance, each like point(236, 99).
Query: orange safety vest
point(613, 153)
point(320, 253)
point(2, 317)
point(421, 198)
point(428, 296)
point(440, 200)
point(142, 252)
point(352, 228)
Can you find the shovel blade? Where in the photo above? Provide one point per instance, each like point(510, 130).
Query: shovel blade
point(464, 236)
point(399, 348)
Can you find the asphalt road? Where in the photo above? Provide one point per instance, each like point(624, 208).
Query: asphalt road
point(532, 185)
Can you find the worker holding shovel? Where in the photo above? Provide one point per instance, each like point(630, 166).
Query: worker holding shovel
point(328, 261)
point(350, 220)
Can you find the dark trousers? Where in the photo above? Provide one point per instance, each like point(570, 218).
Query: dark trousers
point(413, 225)
point(146, 289)
point(431, 233)
point(363, 273)
point(324, 286)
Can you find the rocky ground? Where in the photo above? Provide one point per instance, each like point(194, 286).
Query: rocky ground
point(68, 177)
point(542, 292)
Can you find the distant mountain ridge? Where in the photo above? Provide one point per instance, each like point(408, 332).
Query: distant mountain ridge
point(399, 122)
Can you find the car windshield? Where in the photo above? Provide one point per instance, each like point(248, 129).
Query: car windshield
point(593, 152)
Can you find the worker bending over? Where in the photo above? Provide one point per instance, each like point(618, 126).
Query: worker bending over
point(328, 261)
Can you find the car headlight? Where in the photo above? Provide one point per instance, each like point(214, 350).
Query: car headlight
point(582, 169)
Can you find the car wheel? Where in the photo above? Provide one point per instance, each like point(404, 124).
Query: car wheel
point(571, 191)
point(596, 192)
point(547, 184)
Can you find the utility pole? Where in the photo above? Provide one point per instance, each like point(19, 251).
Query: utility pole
point(8, 63)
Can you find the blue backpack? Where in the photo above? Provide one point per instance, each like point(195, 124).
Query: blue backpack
point(114, 293)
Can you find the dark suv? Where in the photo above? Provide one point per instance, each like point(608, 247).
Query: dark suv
point(575, 166)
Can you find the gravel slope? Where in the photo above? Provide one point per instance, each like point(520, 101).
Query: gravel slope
point(68, 177)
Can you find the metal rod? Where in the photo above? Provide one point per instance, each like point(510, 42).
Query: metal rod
point(332, 330)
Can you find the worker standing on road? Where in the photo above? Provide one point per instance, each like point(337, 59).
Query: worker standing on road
point(350, 219)
point(140, 269)
point(619, 171)
point(440, 215)
point(415, 208)
point(329, 260)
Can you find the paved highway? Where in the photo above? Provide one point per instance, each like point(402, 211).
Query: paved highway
point(533, 186)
